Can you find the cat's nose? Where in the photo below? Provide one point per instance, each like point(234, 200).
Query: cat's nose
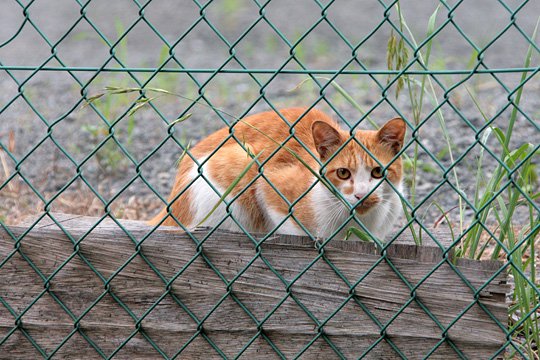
point(360, 196)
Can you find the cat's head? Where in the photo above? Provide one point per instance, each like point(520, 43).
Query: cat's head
point(353, 171)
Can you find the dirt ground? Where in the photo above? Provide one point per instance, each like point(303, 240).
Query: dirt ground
point(56, 143)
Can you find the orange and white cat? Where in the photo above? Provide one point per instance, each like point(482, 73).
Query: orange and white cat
point(313, 206)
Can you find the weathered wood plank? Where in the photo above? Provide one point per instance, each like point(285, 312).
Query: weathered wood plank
point(150, 273)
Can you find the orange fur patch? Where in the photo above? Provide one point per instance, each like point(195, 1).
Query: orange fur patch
point(283, 170)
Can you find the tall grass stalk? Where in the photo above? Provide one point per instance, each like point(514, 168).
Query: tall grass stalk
point(515, 240)
point(511, 187)
point(417, 100)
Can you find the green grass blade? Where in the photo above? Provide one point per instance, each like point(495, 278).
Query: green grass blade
point(183, 155)
point(230, 188)
point(180, 119)
point(513, 115)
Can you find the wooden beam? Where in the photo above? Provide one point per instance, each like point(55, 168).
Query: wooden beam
point(159, 284)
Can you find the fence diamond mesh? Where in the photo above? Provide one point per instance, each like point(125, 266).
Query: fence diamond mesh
point(99, 100)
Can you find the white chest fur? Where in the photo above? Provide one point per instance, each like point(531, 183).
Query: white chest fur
point(334, 218)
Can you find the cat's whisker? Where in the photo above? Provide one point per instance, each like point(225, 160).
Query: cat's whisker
point(336, 217)
point(333, 216)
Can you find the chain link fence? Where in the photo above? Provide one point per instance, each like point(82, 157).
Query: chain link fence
point(99, 101)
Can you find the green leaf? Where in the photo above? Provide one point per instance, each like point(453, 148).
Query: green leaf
point(180, 119)
point(416, 237)
point(518, 154)
point(158, 90)
point(163, 54)
point(472, 59)
point(94, 97)
point(514, 113)
point(140, 104)
point(362, 235)
point(91, 100)
point(186, 149)
point(431, 22)
point(501, 137)
point(121, 90)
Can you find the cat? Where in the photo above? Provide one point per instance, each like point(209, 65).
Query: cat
point(312, 205)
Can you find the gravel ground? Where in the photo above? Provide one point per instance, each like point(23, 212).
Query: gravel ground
point(56, 109)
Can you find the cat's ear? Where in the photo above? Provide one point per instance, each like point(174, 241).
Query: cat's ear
point(392, 134)
point(327, 139)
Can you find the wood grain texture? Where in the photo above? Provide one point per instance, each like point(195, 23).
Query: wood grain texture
point(154, 284)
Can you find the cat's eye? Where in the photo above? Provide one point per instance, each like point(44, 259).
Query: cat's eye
point(377, 172)
point(343, 173)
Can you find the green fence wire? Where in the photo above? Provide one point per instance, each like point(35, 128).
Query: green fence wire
point(408, 69)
